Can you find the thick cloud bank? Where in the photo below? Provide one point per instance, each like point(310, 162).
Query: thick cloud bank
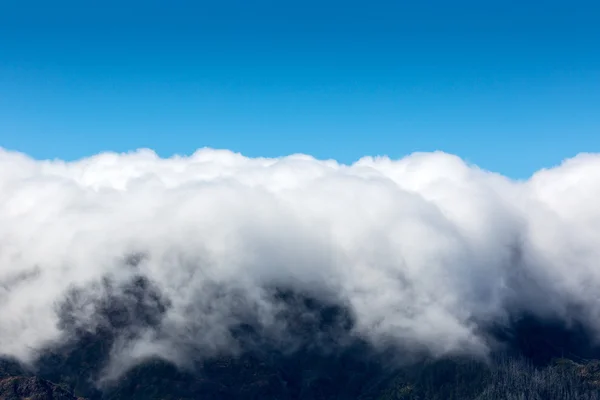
point(424, 251)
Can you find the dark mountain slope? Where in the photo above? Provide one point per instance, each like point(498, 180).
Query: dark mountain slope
point(32, 388)
point(319, 359)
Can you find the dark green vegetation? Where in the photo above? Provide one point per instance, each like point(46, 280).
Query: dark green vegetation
point(32, 388)
point(17, 384)
point(249, 378)
point(534, 360)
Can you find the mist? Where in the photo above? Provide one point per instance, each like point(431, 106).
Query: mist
point(175, 255)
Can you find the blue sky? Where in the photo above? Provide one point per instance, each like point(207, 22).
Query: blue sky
point(512, 86)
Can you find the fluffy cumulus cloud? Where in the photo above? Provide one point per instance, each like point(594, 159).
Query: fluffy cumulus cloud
point(423, 251)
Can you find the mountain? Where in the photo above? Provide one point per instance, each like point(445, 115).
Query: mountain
point(320, 360)
point(248, 378)
point(32, 388)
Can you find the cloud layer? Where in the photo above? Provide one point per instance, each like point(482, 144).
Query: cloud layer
point(424, 251)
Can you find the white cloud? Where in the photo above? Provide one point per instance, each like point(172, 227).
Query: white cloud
point(423, 249)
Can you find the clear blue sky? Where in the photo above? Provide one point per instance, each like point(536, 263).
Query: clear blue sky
point(513, 86)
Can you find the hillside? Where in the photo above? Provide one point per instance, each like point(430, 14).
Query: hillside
point(535, 359)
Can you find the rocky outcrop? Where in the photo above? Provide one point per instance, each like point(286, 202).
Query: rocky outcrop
point(32, 388)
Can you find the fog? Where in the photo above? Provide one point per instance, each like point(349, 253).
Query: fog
point(424, 252)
